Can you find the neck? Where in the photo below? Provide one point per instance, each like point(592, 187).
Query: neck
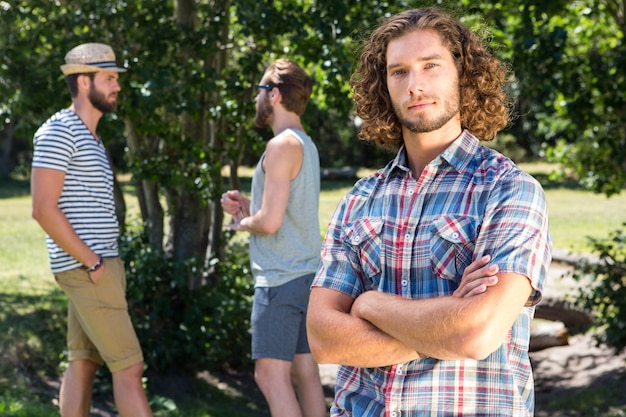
point(283, 120)
point(422, 148)
point(88, 114)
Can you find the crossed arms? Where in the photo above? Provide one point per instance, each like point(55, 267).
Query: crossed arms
point(380, 329)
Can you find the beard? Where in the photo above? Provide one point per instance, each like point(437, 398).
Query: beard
point(422, 124)
point(264, 112)
point(99, 100)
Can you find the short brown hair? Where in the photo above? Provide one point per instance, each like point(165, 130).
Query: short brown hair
point(72, 82)
point(293, 82)
point(485, 106)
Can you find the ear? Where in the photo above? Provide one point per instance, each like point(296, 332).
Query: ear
point(275, 95)
point(83, 81)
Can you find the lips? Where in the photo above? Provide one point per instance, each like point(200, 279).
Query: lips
point(419, 105)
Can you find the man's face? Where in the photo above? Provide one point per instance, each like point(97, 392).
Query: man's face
point(423, 81)
point(103, 91)
point(264, 109)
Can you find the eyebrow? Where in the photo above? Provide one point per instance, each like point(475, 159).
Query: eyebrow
point(434, 57)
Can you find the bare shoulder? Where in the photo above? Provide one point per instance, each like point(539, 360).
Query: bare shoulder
point(285, 144)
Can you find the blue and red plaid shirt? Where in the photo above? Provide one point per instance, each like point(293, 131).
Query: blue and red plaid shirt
point(414, 237)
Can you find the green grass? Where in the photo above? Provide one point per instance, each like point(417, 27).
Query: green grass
point(32, 308)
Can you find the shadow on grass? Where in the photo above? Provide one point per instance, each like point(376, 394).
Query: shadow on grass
point(32, 355)
point(14, 188)
point(604, 395)
point(547, 183)
point(33, 338)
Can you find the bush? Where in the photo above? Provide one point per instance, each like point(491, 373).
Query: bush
point(605, 295)
point(187, 330)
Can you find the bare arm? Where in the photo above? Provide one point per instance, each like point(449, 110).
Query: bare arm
point(282, 163)
point(336, 336)
point(46, 187)
point(339, 333)
point(449, 327)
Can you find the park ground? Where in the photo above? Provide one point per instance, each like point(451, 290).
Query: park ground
point(579, 379)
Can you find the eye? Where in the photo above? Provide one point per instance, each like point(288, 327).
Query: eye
point(430, 65)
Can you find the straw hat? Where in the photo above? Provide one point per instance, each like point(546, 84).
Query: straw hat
point(90, 57)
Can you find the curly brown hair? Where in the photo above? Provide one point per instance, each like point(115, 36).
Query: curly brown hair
point(485, 106)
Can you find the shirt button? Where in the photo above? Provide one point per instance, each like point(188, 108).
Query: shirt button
point(399, 371)
point(405, 282)
point(411, 192)
point(407, 236)
point(455, 235)
point(357, 238)
point(394, 414)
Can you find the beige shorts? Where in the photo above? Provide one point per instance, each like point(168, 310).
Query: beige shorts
point(98, 325)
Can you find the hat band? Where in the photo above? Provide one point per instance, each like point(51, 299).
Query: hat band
point(104, 64)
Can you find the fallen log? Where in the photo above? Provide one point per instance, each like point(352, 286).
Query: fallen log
point(573, 318)
point(546, 333)
point(555, 320)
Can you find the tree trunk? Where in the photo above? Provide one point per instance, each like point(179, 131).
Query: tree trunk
point(147, 191)
point(6, 146)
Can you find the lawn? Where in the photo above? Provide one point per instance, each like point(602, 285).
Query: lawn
point(32, 309)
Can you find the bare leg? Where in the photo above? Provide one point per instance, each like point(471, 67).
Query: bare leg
point(130, 397)
point(308, 386)
point(75, 393)
point(273, 376)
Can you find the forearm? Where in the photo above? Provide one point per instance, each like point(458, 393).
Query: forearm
point(254, 225)
point(449, 327)
point(55, 224)
point(337, 337)
point(428, 326)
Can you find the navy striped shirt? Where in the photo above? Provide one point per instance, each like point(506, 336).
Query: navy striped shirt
point(64, 143)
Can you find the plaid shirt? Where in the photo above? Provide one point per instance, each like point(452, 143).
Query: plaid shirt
point(414, 237)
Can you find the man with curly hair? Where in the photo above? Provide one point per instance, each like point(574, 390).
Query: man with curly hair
point(432, 266)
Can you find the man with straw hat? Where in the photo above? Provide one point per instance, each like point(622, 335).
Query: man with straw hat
point(72, 197)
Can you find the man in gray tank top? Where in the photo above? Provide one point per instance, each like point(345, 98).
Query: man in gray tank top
point(282, 219)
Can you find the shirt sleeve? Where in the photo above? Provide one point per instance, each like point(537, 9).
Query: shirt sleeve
point(53, 147)
point(515, 230)
point(337, 270)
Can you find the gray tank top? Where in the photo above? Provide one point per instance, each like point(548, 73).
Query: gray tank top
point(294, 250)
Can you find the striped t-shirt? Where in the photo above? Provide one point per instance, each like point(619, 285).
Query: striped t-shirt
point(64, 143)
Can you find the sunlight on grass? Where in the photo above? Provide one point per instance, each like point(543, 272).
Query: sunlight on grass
point(24, 265)
point(32, 296)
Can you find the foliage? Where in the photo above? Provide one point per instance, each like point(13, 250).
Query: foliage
point(182, 329)
point(605, 293)
point(187, 104)
point(589, 119)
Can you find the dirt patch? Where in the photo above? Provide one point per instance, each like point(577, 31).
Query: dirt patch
point(577, 379)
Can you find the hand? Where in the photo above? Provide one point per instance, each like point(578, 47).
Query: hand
point(238, 206)
point(477, 277)
point(95, 276)
point(232, 202)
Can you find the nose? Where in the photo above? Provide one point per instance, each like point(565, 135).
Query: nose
point(415, 84)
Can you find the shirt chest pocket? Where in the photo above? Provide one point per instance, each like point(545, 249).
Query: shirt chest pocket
point(452, 245)
point(362, 241)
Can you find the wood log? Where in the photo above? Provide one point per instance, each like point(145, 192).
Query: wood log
point(546, 333)
point(573, 318)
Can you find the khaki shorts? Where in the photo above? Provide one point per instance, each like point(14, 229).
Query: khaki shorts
point(98, 325)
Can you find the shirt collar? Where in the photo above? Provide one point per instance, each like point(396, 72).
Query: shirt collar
point(458, 155)
point(461, 152)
